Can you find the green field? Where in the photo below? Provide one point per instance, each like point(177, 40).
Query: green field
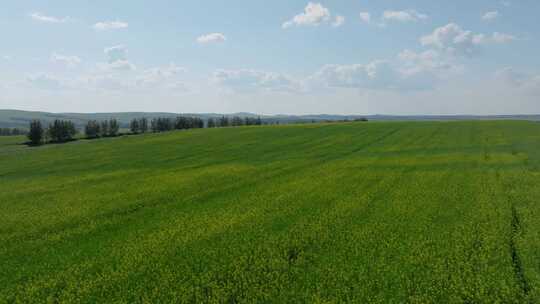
point(401, 212)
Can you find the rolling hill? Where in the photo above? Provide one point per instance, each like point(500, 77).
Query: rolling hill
point(21, 119)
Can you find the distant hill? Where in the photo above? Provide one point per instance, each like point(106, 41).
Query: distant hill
point(20, 119)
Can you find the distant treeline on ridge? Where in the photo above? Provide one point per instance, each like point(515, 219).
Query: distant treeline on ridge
point(11, 132)
point(61, 131)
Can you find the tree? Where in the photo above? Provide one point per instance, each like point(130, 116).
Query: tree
point(199, 123)
point(134, 126)
point(164, 124)
point(236, 121)
point(181, 123)
point(154, 125)
point(36, 133)
point(61, 131)
point(17, 131)
point(224, 121)
point(114, 127)
point(92, 129)
point(104, 129)
point(143, 125)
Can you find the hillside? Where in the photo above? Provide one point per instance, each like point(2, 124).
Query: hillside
point(21, 119)
point(383, 212)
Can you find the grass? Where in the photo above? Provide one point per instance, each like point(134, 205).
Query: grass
point(431, 212)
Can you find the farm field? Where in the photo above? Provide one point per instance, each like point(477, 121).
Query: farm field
point(384, 212)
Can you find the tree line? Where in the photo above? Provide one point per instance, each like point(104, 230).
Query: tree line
point(59, 131)
point(234, 121)
point(164, 124)
point(11, 132)
point(105, 128)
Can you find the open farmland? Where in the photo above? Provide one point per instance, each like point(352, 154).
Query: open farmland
point(394, 212)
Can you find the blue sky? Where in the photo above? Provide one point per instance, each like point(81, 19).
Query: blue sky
point(294, 57)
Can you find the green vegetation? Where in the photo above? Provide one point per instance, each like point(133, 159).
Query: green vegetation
point(21, 119)
point(11, 132)
point(425, 212)
point(36, 133)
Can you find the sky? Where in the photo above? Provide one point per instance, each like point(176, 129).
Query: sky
point(362, 57)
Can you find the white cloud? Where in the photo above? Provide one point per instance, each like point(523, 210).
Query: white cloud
point(313, 15)
point(48, 19)
point(529, 83)
point(44, 82)
point(106, 83)
point(502, 37)
point(116, 53)
point(7, 57)
point(412, 71)
point(424, 70)
point(110, 25)
point(117, 59)
point(69, 61)
point(159, 75)
point(404, 16)
point(490, 16)
point(511, 76)
point(365, 17)
point(211, 38)
point(340, 20)
point(454, 40)
point(375, 75)
point(429, 60)
point(246, 79)
point(121, 65)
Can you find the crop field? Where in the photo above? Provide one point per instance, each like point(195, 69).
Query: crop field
point(400, 212)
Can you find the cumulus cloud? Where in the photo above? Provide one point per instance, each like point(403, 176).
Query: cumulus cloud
point(403, 16)
point(69, 61)
point(116, 53)
point(490, 16)
point(340, 20)
point(412, 71)
point(425, 69)
point(245, 79)
point(429, 60)
point(121, 65)
point(375, 75)
point(314, 14)
point(110, 25)
point(211, 38)
point(48, 19)
point(117, 59)
point(454, 40)
point(365, 17)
